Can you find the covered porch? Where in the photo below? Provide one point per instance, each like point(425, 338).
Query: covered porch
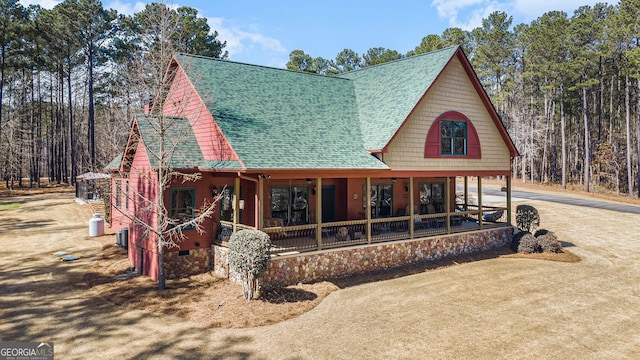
point(315, 214)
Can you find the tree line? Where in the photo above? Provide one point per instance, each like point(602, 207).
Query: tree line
point(567, 87)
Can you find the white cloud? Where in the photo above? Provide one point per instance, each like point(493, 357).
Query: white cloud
point(468, 14)
point(241, 42)
point(125, 8)
point(473, 18)
point(530, 10)
point(451, 8)
point(47, 4)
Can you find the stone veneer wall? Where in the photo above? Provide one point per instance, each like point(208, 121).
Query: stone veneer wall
point(307, 267)
point(198, 261)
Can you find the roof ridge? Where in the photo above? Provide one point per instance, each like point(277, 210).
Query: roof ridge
point(401, 59)
point(261, 66)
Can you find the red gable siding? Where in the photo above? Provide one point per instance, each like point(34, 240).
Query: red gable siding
point(184, 101)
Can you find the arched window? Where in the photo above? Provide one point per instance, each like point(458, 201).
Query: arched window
point(452, 135)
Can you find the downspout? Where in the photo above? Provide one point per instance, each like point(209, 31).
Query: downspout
point(257, 200)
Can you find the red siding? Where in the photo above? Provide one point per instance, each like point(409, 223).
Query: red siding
point(143, 185)
point(184, 101)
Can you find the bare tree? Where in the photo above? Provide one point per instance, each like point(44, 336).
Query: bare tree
point(163, 136)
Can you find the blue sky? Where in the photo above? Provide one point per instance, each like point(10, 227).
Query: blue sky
point(265, 32)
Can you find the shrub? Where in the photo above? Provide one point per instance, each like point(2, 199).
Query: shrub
point(542, 241)
point(527, 218)
point(528, 244)
point(515, 240)
point(548, 241)
point(249, 256)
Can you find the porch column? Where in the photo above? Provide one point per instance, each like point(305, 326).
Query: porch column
point(447, 203)
point(236, 204)
point(411, 210)
point(480, 201)
point(260, 202)
point(466, 193)
point(319, 212)
point(367, 207)
point(509, 199)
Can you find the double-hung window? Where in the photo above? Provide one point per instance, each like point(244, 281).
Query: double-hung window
point(182, 204)
point(453, 137)
point(118, 193)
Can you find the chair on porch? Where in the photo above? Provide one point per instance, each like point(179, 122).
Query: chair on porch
point(276, 223)
point(493, 217)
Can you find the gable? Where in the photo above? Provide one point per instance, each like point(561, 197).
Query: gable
point(184, 101)
point(387, 93)
point(452, 92)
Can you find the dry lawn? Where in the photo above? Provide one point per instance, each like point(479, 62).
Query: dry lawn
point(490, 305)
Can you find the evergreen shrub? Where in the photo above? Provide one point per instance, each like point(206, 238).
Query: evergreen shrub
point(249, 256)
point(527, 218)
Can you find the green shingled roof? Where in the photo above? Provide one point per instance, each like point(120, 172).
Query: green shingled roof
point(180, 144)
point(115, 163)
point(387, 93)
point(281, 119)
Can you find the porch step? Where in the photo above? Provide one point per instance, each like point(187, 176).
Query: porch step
point(97, 207)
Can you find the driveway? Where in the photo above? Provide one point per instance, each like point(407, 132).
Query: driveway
point(500, 308)
point(520, 195)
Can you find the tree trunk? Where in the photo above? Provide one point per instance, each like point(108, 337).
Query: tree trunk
point(600, 98)
point(637, 137)
point(161, 279)
point(531, 145)
point(611, 116)
point(563, 138)
point(92, 146)
point(2, 65)
point(543, 166)
point(72, 142)
point(627, 107)
point(585, 118)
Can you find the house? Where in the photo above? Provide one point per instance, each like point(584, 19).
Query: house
point(348, 173)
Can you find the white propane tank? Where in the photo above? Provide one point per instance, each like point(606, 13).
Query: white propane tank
point(96, 225)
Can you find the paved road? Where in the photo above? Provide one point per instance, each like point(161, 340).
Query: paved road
point(569, 200)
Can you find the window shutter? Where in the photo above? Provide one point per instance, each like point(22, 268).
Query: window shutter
point(432, 145)
point(473, 142)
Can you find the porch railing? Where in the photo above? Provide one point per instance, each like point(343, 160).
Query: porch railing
point(301, 238)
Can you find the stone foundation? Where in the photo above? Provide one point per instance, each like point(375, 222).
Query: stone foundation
point(178, 266)
point(307, 267)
